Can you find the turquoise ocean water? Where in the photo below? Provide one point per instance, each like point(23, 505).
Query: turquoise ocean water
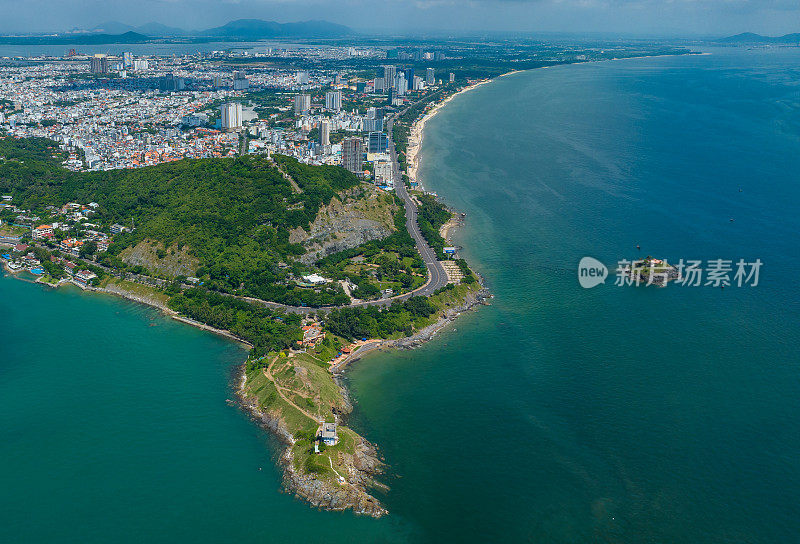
point(558, 414)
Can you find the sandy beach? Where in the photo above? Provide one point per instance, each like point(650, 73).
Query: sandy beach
point(418, 132)
point(451, 224)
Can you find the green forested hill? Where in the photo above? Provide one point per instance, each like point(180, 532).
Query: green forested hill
point(233, 213)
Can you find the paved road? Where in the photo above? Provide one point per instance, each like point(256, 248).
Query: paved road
point(437, 277)
point(436, 273)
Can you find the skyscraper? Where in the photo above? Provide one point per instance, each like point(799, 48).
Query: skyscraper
point(353, 155)
point(379, 85)
point(429, 76)
point(231, 116)
point(127, 59)
point(333, 100)
point(389, 73)
point(384, 173)
point(302, 78)
point(402, 85)
point(240, 82)
point(171, 82)
point(377, 142)
point(302, 103)
point(324, 132)
point(372, 125)
point(99, 64)
point(452, 77)
point(409, 73)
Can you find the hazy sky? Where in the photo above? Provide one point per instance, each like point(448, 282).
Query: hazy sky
point(647, 17)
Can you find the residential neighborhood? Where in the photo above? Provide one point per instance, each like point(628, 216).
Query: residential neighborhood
point(65, 238)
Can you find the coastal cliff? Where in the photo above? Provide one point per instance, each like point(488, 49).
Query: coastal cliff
point(349, 220)
point(352, 465)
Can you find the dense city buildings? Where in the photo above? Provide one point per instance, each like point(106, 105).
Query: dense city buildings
point(130, 110)
point(141, 110)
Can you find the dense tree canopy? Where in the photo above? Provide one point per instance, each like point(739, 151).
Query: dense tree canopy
point(234, 214)
point(265, 329)
point(374, 322)
point(431, 216)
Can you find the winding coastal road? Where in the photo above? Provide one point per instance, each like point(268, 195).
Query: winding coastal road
point(436, 274)
point(437, 277)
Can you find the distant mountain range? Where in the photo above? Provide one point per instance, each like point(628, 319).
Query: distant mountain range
point(239, 29)
point(76, 39)
point(750, 37)
point(256, 28)
point(114, 32)
point(149, 29)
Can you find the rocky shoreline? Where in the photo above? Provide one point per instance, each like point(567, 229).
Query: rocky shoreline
point(471, 301)
point(362, 467)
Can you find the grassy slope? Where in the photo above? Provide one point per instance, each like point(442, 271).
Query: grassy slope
point(320, 393)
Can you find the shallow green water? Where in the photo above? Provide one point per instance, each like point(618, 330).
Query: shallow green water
point(556, 415)
point(114, 427)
